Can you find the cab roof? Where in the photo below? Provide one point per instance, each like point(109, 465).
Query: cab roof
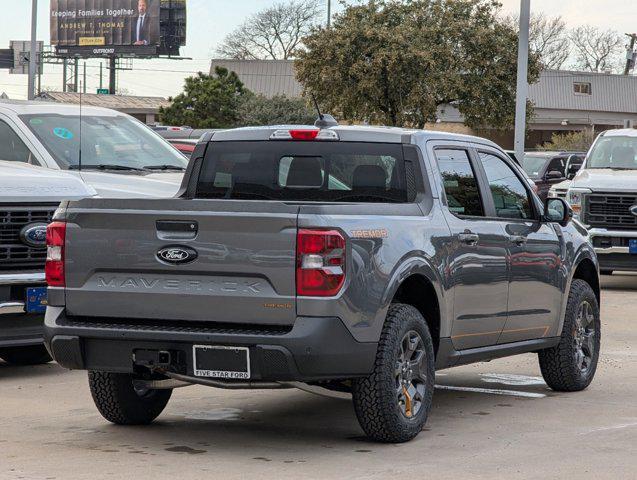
point(620, 132)
point(39, 107)
point(350, 133)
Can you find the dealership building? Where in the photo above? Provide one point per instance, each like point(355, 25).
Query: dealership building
point(564, 101)
point(145, 109)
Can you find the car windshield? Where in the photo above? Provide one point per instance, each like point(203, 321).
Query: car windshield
point(617, 153)
point(108, 143)
point(533, 164)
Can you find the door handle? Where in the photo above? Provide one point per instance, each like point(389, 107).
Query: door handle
point(518, 239)
point(469, 238)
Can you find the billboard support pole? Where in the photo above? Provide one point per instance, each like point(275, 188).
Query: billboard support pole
point(75, 74)
point(64, 72)
point(33, 50)
point(112, 75)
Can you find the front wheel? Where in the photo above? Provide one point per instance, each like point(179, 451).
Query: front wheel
point(393, 403)
point(35, 355)
point(570, 366)
point(121, 402)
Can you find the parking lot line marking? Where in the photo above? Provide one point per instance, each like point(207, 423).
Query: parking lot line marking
point(492, 391)
point(614, 427)
point(512, 379)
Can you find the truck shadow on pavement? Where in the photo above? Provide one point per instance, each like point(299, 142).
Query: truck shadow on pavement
point(619, 281)
point(283, 426)
point(27, 373)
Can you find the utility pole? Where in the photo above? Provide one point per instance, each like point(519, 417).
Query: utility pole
point(33, 54)
point(523, 82)
point(630, 63)
point(329, 13)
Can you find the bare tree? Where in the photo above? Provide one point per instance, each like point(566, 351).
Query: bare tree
point(596, 50)
point(548, 37)
point(274, 33)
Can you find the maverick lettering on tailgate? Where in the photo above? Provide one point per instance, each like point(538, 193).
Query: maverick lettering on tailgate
point(148, 283)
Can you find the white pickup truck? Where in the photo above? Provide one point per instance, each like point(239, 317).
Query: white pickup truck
point(28, 197)
point(119, 156)
point(604, 196)
point(48, 153)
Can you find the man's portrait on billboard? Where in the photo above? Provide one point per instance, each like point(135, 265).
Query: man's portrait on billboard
point(145, 29)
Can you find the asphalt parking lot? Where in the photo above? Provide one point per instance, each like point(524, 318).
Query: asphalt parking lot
point(490, 420)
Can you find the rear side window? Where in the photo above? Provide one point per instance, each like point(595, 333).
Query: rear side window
point(459, 180)
point(12, 149)
point(304, 171)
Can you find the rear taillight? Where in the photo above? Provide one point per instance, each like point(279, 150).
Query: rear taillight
point(320, 267)
point(54, 268)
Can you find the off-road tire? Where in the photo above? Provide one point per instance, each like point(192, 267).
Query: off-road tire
point(375, 400)
point(34, 355)
point(119, 402)
point(558, 364)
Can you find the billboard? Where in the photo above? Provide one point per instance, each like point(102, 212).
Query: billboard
point(105, 25)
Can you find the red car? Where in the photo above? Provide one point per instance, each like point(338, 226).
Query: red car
point(184, 145)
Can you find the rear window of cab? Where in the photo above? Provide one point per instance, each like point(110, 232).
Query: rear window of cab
point(304, 171)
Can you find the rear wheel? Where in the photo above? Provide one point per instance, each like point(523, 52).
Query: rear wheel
point(393, 403)
point(121, 402)
point(570, 366)
point(34, 355)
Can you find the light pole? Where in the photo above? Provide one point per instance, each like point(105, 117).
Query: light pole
point(523, 83)
point(33, 60)
point(329, 13)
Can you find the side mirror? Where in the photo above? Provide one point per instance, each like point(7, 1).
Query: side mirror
point(558, 211)
point(572, 170)
point(553, 175)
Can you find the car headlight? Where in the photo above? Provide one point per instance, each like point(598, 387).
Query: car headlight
point(574, 198)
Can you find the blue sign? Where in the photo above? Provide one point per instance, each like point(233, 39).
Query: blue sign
point(63, 133)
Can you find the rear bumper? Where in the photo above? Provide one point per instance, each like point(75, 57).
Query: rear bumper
point(17, 328)
point(612, 249)
point(314, 349)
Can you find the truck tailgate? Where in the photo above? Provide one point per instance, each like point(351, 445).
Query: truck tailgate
point(243, 272)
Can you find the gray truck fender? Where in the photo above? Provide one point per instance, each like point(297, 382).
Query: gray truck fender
point(418, 265)
point(585, 252)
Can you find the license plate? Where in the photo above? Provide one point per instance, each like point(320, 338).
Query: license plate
point(36, 300)
point(232, 363)
point(632, 245)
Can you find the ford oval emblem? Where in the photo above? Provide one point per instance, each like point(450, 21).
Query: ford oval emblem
point(177, 255)
point(34, 235)
point(633, 210)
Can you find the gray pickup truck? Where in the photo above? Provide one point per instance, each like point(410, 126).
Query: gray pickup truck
point(354, 258)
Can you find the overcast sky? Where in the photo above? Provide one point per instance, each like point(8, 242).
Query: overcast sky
point(210, 20)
